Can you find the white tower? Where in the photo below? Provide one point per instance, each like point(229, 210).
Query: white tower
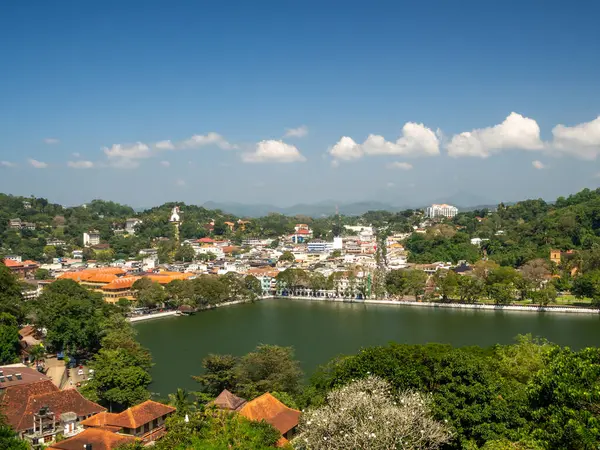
point(175, 215)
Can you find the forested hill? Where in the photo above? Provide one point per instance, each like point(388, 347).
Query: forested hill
point(511, 235)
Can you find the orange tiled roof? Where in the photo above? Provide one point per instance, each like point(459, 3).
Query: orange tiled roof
point(12, 263)
point(75, 276)
point(120, 283)
point(268, 408)
point(138, 415)
point(99, 420)
point(98, 438)
point(101, 277)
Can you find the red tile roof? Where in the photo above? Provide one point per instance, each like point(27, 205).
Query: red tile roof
point(15, 399)
point(100, 420)
point(206, 240)
point(268, 408)
point(138, 415)
point(99, 438)
point(59, 402)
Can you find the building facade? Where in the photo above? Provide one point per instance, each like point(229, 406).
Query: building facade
point(443, 210)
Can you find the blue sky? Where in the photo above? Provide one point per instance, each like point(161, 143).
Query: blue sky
point(274, 101)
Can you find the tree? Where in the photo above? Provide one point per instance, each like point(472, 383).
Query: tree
point(9, 339)
point(544, 296)
point(416, 281)
point(180, 401)
point(446, 283)
point(287, 256)
point(563, 399)
point(11, 300)
point(268, 368)
point(117, 383)
point(185, 253)
point(336, 253)
point(469, 289)
point(73, 316)
point(149, 293)
point(42, 274)
point(368, 414)
point(253, 286)
point(219, 374)
point(9, 439)
point(501, 293)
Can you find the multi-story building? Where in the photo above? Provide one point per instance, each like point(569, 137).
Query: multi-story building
point(443, 210)
point(318, 246)
point(91, 238)
point(130, 225)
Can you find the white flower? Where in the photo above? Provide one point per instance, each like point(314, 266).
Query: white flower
point(324, 438)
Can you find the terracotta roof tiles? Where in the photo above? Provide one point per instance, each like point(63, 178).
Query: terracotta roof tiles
point(138, 415)
point(100, 439)
point(59, 402)
point(268, 408)
point(15, 399)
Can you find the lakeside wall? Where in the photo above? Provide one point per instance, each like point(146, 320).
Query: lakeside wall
point(477, 306)
point(160, 315)
point(536, 309)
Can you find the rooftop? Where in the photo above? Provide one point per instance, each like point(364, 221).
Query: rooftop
point(99, 438)
point(268, 408)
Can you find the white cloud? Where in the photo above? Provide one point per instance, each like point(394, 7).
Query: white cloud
point(165, 145)
point(51, 141)
point(126, 156)
point(7, 164)
point(538, 165)
point(416, 140)
point(180, 182)
point(199, 140)
point(273, 151)
point(76, 155)
point(299, 132)
point(582, 141)
point(399, 165)
point(37, 164)
point(516, 132)
point(165, 163)
point(80, 164)
point(346, 150)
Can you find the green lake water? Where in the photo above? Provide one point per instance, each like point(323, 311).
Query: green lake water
point(318, 331)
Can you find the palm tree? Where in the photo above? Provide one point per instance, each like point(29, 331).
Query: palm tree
point(180, 401)
point(37, 353)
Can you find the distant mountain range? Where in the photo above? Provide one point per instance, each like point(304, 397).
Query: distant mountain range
point(464, 201)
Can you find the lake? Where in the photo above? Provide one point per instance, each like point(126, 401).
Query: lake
point(318, 331)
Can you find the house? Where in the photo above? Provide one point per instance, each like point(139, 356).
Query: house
point(145, 421)
point(77, 254)
point(230, 225)
point(91, 238)
point(268, 408)
point(24, 270)
point(53, 242)
point(14, 224)
point(130, 225)
point(227, 401)
point(37, 410)
point(555, 256)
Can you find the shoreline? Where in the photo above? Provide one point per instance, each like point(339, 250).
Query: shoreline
point(164, 314)
point(474, 306)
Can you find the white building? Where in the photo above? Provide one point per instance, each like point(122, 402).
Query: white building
point(130, 225)
point(478, 241)
point(91, 238)
point(442, 211)
point(318, 246)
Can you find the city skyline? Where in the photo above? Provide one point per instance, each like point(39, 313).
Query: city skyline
point(269, 103)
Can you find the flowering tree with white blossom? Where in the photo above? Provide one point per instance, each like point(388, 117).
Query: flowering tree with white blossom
point(367, 414)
